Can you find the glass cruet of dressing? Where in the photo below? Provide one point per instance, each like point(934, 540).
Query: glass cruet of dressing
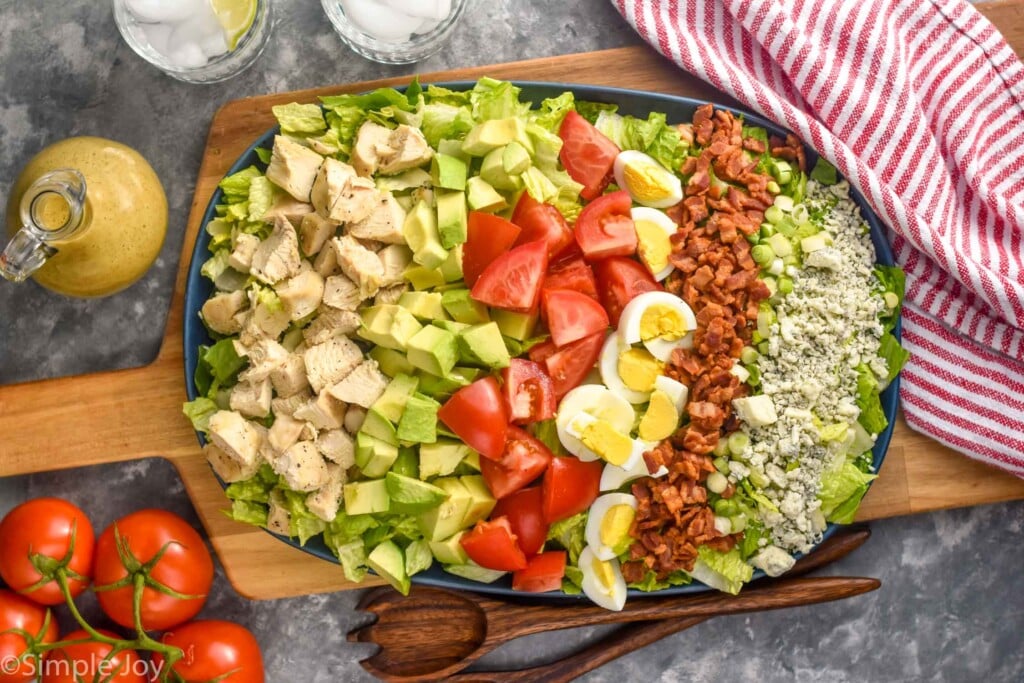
point(87, 218)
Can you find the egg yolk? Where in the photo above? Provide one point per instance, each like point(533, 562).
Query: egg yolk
point(615, 524)
point(638, 369)
point(603, 439)
point(661, 418)
point(662, 321)
point(653, 245)
point(647, 183)
point(604, 573)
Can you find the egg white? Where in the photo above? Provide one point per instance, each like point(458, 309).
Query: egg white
point(613, 598)
point(629, 323)
point(609, 366)
point(614, 477)
point(598, 510)
point(661, 219)
point(669, 184)
point(676, 390)
point(595, 400)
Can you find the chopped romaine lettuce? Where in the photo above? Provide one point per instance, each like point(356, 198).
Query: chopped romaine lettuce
point(841, 492)
point(236, 186)
point(493, 99)
point(300, 118)
point(824, 172)
point(569, 535)
point(591, 110)
point(261, 198)
point(445, 121)
point(650, 582)
point(872, 417)
point(352, 556)
point(726, 572)
point(248, 512)
point(418, 557)
point(895, 355)
point(199, 413)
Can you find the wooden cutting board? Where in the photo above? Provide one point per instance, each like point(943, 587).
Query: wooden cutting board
point(132, 414)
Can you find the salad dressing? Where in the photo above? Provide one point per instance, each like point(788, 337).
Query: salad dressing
point(87, 218)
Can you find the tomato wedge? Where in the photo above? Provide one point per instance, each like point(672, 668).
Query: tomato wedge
point(488, 237)
point(587, 154)
point(572, 274)
point(529, 392)
point(524, 459)
point(525, 513)
point(605, 228)
point(572, 316)
point(476, 414)
point(542, 573)
point(619, 280)
point(493, 545)
point(570, 487)
point(541, 352)
point(568, 365)
point(513, 280)
point(541, 221)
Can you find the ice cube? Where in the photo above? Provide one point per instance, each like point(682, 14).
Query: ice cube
point(196, 29)
point(164, 11)
point(158, 36)
point(427, 26)
point(214, 45)
point(187, 56)
point(424, 9)
point(380, 21)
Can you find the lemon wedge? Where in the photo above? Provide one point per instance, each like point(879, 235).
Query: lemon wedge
point(236, 18)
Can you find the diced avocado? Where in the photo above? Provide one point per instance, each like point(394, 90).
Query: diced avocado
point(423, 305)
point(412, 496)
point(389, 563)
point(493, 171)
point(472, 460)
point(474, 572)
point(419, 421)
point(451, 269)
point(392, 363)
point(492, 134)
point(464, 308)
point(420, 232)
point(448, 172)
point(482, 197)
point(451, 218)
point(407, 180)
point(423, 278)
point(433, 350)
point(483, 345)
point(452, 326)
point(407, 463)
point(446, 519)
point(515, 159)
point(449, 551)
point(392, 402)
point(366, 497)
point(442, 387)
point(481, 500)
point(389, 325)
point(453, 148)
point(379, 427)
point(441, 458)
point(374, 457)
point(519, 326)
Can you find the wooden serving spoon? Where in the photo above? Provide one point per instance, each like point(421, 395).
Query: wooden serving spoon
point(630, 638)
point(434, 632)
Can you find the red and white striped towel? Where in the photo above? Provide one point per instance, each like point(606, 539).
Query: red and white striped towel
point(920, 103)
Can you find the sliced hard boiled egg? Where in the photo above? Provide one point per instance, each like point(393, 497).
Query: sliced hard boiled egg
point(629, 372)
point(653, 232)
point(675, 390)
point(661, 419)
point(602, 581)
point(599, 402)
point(601, 440)
point(608, 523)
point(647, 181)
point(660, 321)
point(613, 477)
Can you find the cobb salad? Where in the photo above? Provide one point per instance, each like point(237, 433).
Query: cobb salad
point(594, 351)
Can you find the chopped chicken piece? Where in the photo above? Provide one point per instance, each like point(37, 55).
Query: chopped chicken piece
point(326, 262)
point(289, 208)
point(337, 446)
point(301, 294)
point(290, 377)
point(372, 245)
point(252, 399)
point(279, 520)
point(241, 256)
point(341, 196)
point(341, 292)
point(314, 232)
point(354, 418)
point(293, 167)
point(323, 412)
point(288, 405)
point(264, 356)
point(389, 151)
point(359, 264)
point(390, 295)
point(302, 467)
point(220, 312)
point(277, 257)
point(226, 467)
point(331, 322)
point(395, 258)
point(326, 501)
point(329, 362)
point(284, 433)
point(384, 224)
point(236, 436)
point(362, 386)
point(371, 141)
point(329, 184)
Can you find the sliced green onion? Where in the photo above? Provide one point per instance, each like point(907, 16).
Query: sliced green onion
point(785, 203)
point(716, 482)
point(738, 442)
point(762, 254)
point(749, 355)
point(785, 285)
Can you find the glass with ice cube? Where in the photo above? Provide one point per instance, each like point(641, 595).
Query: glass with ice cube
point(197, 41)
point(395, 31)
